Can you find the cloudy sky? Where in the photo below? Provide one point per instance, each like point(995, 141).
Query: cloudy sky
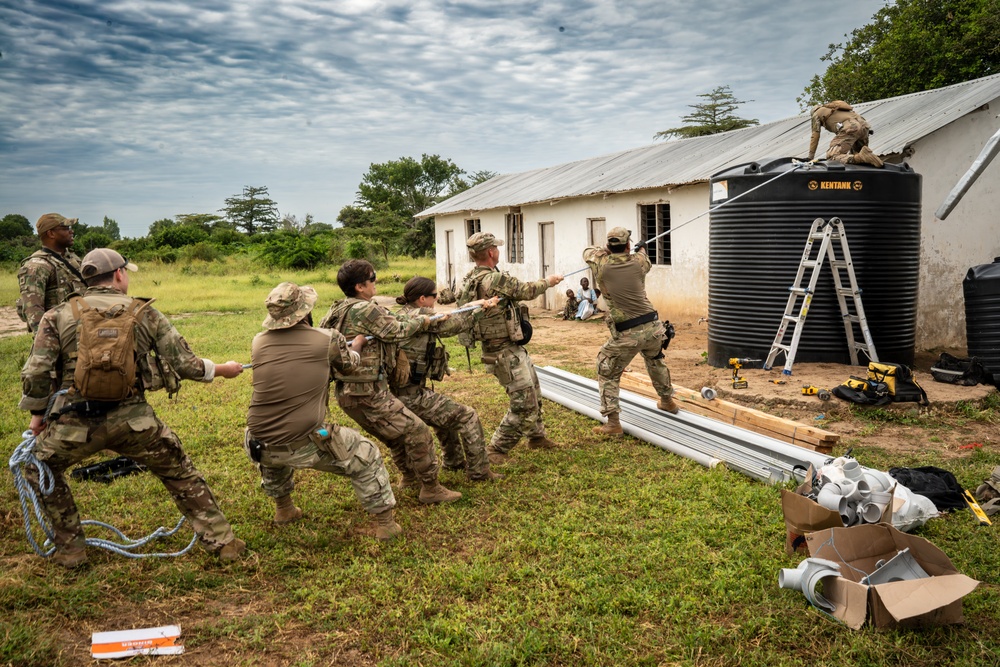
point(146, 109)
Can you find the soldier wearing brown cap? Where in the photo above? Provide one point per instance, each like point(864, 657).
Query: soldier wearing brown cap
point(502, 331)
point(634, 323)
point(288, 427)
point(850, 145)
point(80, 424)
point(48, 276)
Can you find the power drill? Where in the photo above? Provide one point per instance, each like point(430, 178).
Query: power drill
point(739, 382)
point(810, 390)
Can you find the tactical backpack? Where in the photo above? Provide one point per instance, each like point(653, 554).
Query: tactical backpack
point(105, 360)
point(967, 371)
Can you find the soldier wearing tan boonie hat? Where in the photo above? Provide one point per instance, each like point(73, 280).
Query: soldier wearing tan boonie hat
point(287, 304)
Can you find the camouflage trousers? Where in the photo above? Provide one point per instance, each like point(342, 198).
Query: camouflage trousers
point(409, 440)
point(347, 453)
point(619, 350)
point(851, 138)
point(457, 427)
point(134, 431)
point(515, 371)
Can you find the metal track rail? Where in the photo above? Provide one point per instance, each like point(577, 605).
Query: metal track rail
point(701, 439)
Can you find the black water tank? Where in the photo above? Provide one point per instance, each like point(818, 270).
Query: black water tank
point(756, 244)
point(982, 315)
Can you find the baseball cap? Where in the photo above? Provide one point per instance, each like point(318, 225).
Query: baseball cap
point(619, 235)
point(51, 221)
point(482, 240)
point(103, 260)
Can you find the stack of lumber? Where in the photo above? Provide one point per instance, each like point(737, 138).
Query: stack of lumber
point(778, 428)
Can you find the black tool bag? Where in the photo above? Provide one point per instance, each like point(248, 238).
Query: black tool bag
point(862, 391)
point(966, 371)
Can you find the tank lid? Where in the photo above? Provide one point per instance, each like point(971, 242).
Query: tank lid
point(772, 165)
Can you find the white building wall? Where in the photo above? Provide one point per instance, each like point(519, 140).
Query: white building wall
point(969, 236)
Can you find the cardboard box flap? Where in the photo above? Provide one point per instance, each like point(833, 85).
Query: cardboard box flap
point(850, 601)
point(906, 599)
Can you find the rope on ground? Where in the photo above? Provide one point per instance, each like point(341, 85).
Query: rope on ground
point(32, 511)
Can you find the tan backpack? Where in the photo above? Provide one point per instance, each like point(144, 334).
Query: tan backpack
point(105, 360)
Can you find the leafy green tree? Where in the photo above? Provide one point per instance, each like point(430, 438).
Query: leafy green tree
point(460, 184)
point(15, 225)
point(206, 221)
point(179, 236)
point(910, 46)
point(253, 211)
point(111, 229)
point(397, 190)
point(710, 117)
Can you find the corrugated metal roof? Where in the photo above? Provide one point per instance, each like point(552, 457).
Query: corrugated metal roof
point(898, 123)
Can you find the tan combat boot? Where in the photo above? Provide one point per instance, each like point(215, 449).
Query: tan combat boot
point(496, 458)
point(432, 493)
point(613, 427)
point(285, 510)
point(70, 557)
point(487, 476)
point(232, 550)
point(668, 404)
point(541, 443)
point(867, 156)
point(386, 528)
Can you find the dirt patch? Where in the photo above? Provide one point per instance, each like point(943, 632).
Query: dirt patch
point(558, 342)
point(10, 323)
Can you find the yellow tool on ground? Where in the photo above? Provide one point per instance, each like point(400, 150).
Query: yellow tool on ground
point(739, 382)
point(976, 509)
point(811, 390)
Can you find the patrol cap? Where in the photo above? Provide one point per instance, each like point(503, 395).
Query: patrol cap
point(619, 235)
point(103, 260)
point(482, 240)
point(287, 304)
point(51, 221)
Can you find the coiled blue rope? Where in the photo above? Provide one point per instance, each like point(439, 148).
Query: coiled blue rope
point(31, 510)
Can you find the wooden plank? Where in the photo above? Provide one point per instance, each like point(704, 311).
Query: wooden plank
point(753, 420)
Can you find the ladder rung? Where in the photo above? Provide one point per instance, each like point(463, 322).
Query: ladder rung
point(838, 264)
point(852, 318)
point(812, 263)
point(799, 290)
point(790, 318)
point(847, 291)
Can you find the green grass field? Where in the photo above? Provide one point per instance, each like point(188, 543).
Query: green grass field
point(603, 552)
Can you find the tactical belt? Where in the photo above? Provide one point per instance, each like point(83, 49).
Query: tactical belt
point(636, 321)
point(88, 408)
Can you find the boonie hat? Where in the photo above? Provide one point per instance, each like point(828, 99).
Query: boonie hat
point(287, 304)
point(619, 235)
point(103, 260)
point(53, 220)
point(482, 240)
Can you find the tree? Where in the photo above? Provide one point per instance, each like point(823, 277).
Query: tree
point(206, 221)
point(460, 184)
point(399, 189)
point(910, 46)
point(14, 225)
point(253, 211)
point(111, 229)
point(711, 117)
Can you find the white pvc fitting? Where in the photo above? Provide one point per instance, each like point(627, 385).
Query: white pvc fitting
point(848, 513)
point(872, 512)
point(852, 470)
point(830, 496)
point(708, 393)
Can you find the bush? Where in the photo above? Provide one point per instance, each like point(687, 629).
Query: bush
point(203, 251)
point(179, 236)
point(289, 250)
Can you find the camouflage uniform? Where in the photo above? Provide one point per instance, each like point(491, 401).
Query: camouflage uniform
point(129, 427)
point(509, 362)
point(46, 279)
point(364, 392)
point(457, 426)
point(850, 145)
point(569, 310)
point(621, 277)
point(291, 376)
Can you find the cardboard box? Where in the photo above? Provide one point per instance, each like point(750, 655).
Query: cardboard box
point(936, 600)
point(804, 515)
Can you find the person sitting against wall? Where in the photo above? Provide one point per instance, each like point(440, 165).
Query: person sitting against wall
point(588, 300)
point(572, 303)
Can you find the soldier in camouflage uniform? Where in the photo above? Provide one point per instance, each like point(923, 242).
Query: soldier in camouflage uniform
point(48, 276)
point(850, 145)
point(363, 393)
point(501, 331)
point(634, 323)
point(287, 425)
point(457, 426)
point(75, 429)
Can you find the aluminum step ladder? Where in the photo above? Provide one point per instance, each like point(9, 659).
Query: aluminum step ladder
point(829, 234)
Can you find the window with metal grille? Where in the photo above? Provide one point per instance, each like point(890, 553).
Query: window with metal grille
point(472, 226)
point(515, 237)
point(654, 220)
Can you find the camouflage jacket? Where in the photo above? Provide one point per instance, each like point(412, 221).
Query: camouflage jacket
point(52, 362)
point(498, 326)
point(418, 345)
point(621, 277)
point(45, 281)
point(356, 316)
